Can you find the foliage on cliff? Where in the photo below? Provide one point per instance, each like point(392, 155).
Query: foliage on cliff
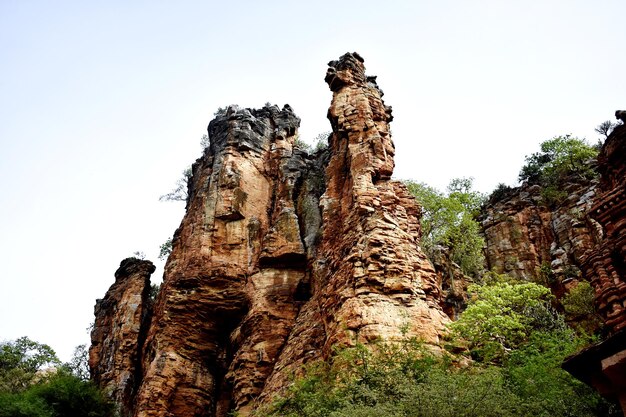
point(405, 379)
point(449, 219)
point(561, 159)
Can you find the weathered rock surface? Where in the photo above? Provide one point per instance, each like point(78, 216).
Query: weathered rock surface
point(118, 332)
point(282, 255)
point(603, 365)
point(228, 300)
point(605, 266)
point(531, 241)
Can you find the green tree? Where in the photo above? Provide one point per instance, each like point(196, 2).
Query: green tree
point(560, 157)
point(21, 360)
point(165, 249)
point(205, 142)
point(79, 364)
point(605, 128)
point(500, 317)
point(449, 219)
point(33, 383)
point(561, 160)
point(179, 193)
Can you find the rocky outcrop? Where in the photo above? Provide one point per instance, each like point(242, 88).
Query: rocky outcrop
point(604, 365)
point(282, 255)
point(374, 277)
point(230, 289)
point(606, 265)
point(119, 327)
point(529, 240)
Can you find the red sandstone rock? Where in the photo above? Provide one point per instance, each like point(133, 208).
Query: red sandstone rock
point(282, 255)
point(605, 267)
point(603, 365)
point(118, 332)
point(530, 241)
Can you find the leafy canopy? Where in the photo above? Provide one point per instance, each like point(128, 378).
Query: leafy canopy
point(34, 383)
point(501, 316)
point(20, 360)
point(449, 220)
point(560, 157)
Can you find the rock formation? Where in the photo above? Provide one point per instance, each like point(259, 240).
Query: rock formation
point(604, 365)
point(119, 330)
point(529, 240)
point(280, 257)
point(606, 265)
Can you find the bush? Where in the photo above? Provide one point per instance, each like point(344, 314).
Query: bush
point(393, 380)
point(579, 307)
point(535, 376)
point(500, 317)
point(500, 193)
point(62, 395)
point(33, 383)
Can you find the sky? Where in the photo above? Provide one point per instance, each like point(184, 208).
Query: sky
point(103, 104)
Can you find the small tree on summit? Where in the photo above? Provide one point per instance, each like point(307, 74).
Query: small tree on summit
point(179, 193)
point(559, 157)
point(605, 128)
point(562, 159)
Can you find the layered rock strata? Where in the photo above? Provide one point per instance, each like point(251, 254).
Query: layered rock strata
point(606, 266)
point(604, 365)
point(282, 256)
point(230, 292)
point(119, 331)
point(531, 241)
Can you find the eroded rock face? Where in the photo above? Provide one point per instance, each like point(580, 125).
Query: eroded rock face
point(374, 278)
point(603, 365)
point(369, 278)
point(118, 332)
point(605, 267)
point(282, 255)
point(228, 300)
point(530, 241)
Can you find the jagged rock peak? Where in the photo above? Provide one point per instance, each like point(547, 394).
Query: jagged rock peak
point(130, 266)
point(347, 70)
point(245, 128)
point(612, 157)
point(121, 319)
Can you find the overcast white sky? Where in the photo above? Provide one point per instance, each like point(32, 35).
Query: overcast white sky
point(102, 105)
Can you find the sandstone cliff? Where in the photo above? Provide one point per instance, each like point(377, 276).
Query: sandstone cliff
point(280, 256)
point(605, 266)
point(529, 240)
point(603, 365)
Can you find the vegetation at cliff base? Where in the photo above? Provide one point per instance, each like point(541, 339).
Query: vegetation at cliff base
point(511, 367)
point(34, 383)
